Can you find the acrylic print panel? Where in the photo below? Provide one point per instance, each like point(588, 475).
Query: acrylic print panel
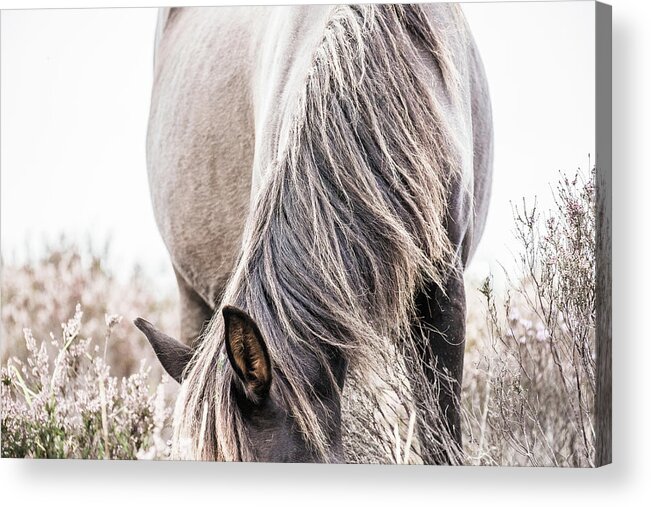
point(358, 233)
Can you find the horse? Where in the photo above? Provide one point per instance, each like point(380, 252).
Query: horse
point(320, 176)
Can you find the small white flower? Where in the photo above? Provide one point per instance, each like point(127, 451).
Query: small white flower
point(112, 319)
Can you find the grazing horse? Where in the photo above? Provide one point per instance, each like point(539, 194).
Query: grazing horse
point(320, 176)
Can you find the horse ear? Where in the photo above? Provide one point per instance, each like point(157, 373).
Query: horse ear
point(172, 354)
point(247, 352)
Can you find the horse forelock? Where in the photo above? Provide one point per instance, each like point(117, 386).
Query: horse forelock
point(346, 228)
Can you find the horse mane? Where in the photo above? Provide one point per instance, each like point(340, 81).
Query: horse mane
point(347, 226)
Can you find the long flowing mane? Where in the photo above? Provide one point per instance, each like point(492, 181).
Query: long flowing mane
point(348, 225)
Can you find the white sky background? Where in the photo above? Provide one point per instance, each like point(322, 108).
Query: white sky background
point(75, 88)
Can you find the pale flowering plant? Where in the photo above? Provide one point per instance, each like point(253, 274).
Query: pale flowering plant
point(71, 406)
point(91, 389)
point(530, 385)
point(41, 292)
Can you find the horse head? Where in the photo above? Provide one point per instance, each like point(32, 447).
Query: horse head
point(260, 399)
